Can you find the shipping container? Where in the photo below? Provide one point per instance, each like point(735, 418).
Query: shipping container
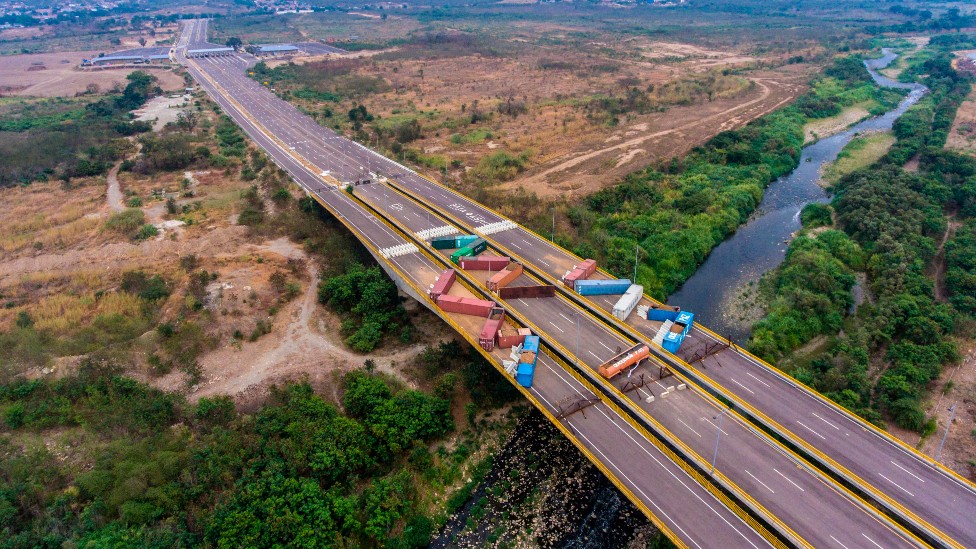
point(602, 287)
point(478, 246)
point(572, 276)
point(527, 360)
point(452, 242)
point(490, 331)
point(456, 256)
point(484, 263)
point(471, 249)
point(588, 267)
point(443, 283)
point(508, 339)
point(465, 305)
point(444, 242)
point(465, 239)
point(504, 277)
point(682, 325)
point(525, 374)
point(624, 360)
point(662, 312)
point(628, 302)
point(527, 292)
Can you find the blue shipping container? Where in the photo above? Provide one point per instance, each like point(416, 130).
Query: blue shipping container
point(531, 344)
point(602, 287)
point(660, 315)
point(464, 240)
point(673, 340)
point(525, 374)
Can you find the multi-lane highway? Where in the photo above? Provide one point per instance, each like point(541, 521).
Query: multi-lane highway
point(776, 484)
point(684, 506)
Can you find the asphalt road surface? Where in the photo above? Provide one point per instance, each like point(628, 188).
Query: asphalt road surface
point(674, 497)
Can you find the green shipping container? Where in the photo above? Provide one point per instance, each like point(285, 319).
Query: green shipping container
point(444, 242)
point(463, 252)
point(478, 246)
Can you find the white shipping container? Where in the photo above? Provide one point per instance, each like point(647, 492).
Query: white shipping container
point(628, 302)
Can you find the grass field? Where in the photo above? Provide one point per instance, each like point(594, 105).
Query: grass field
point(860, 153)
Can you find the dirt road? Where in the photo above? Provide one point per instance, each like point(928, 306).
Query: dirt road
point(674, 132)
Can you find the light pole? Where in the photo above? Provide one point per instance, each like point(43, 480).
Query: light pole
point(577, 338)
point(553, 237)
point(718, 437)
point(636, 256)
point(952, 414)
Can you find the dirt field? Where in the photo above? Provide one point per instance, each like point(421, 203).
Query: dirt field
point(572, 148)
point(61, 76)
point(603, 159)
point(962, 136)
point(960, 446)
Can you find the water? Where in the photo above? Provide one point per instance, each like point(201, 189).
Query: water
point(713, 292)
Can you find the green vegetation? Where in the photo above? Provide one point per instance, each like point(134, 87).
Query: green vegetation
point(43, 140)
point(145, 468)
point(369, 301)
point(678, 212)
point(899, 340)
point(860, 153)
point(812, 291)
point(960, 256)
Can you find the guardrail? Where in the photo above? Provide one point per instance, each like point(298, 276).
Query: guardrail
point(660, 525)
point(665, 358)
point(613, 397)
point(966, 483)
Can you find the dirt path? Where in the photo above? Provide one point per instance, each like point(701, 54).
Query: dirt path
point(772, 95)
point(939, 263)
point(113, 194)
point(300, 346)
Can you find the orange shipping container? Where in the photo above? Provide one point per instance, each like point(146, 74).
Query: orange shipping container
point(504, 277)
point(624, 360)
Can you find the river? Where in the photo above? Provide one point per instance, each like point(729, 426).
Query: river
point(715, 292)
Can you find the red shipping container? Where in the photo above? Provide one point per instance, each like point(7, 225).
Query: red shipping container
point(504, 277)
point(490, 331)
point(443, 283)
point(484, 263)
point(507, 339)
point(465, 305)
point(519, 292)
point(587, 266)
point(570, 279)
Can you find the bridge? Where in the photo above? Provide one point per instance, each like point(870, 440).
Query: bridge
point(715, 446)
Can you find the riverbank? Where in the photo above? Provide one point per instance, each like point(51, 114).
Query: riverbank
point(761, 244)
point(879, 359)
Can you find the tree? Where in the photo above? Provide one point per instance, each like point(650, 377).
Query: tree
point(234, 42)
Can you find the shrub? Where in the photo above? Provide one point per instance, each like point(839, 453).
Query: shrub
point(126, 222)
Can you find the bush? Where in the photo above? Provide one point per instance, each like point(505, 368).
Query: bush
point(126, 222)
point(146, 231)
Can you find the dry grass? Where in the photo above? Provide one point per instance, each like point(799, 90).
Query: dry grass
point(62, 313)
point(45, 216)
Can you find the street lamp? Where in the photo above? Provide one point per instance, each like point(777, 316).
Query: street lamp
point(718, 437)
point(577, 337)
point(952, 414)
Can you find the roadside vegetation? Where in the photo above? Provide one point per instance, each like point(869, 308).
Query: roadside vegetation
point(879, 361)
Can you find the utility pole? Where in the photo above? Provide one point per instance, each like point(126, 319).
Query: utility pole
point(577, 338)
point(952, 415)
point(553, 237)
point(636, 256)
point(718, 437)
